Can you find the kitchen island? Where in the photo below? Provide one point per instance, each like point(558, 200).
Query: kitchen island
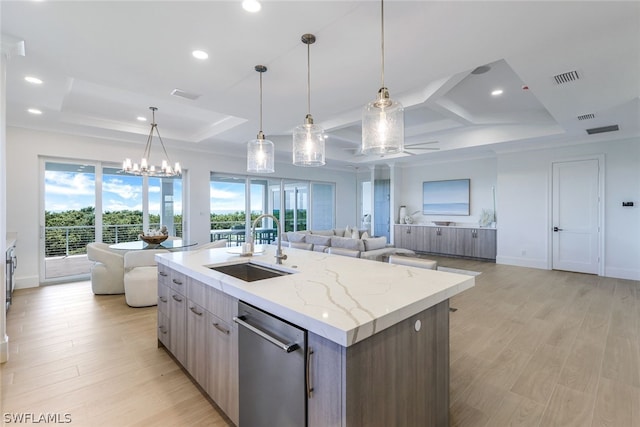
point(378, 334)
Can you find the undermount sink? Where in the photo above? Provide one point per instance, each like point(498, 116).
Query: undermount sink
point(249, 272)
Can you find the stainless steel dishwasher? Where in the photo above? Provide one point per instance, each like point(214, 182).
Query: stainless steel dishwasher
point(272, 369)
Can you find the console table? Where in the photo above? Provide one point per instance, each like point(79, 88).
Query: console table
point(450, 240)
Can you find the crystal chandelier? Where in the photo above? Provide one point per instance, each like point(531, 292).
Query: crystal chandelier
point(383, 118)
point(308, 138)
point(260, 151)
point(144, 168)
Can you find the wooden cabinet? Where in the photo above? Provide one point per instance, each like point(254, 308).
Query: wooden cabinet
point(455, 241)
point(196, 342)
point(195, 323)
point(178, 326)
point(163, 314)
point(222, 356)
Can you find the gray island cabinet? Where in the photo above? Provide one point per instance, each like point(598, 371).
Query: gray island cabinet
point(377, 334)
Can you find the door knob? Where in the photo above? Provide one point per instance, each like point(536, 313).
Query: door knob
point(557, 229)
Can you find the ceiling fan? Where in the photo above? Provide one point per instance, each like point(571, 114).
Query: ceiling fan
point(419, 146)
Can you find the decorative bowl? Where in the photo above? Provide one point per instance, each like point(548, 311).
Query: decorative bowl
point(153, 240)
point(443, 223)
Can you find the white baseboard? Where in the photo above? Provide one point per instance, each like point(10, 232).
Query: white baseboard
point(4, 349)
point(622, 273)
point(522, 262)
point(25, 282)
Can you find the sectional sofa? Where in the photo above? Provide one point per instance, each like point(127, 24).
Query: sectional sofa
point(347, 242)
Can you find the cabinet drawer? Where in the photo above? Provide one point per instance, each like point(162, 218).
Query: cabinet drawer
point(164, 274)
point(178, 282)
point(197, 291)
point(164, 331)
point(222, 305)
point(163, 299)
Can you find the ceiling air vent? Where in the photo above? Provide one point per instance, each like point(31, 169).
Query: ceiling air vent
point(568, 77)
point(586, 116)
point(603, 129)
point(182, 94)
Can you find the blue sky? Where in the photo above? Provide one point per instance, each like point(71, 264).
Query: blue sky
point(75, 190)
point(72, 191)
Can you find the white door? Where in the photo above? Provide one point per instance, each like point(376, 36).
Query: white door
point(575, 218)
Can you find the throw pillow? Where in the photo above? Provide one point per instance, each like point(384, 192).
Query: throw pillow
point(374, 243)
point(295, 237)
point(355, 234)
point(347, 231)
point(365, 235)
point(318, 239)
point(347, 243)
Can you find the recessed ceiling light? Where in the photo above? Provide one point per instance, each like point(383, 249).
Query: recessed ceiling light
point(496, 92)
point(200, 54)
point(141, 119)
point(34, 111)
point(251, 5)
point(34, 80)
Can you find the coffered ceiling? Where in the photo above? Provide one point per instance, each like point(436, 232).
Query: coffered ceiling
point(563, 67)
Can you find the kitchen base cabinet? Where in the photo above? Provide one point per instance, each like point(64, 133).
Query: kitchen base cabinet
point(222, 356)
point(397, 377)
point(198, 330)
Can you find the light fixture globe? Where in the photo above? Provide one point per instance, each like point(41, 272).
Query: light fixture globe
point(308, 144)
point(260, 154)
point(382, 119)
point(308, 138)
point(260, 151)
point(382, 126)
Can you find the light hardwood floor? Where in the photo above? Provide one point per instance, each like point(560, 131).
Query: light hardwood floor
point(528, 348)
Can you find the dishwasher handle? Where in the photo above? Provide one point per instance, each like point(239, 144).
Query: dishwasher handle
point(240, 320)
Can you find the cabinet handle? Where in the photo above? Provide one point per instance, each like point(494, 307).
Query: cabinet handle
point(162, 273)
point(220, 328)
point(177, 282)
point(309, 386)
point(163, 299)
point(175, 297)
point(193, 310)
point(163, 329)
point(408, 230)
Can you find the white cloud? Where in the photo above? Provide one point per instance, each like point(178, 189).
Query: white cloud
point(69, 184)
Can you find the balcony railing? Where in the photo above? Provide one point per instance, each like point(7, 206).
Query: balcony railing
point(63, 241)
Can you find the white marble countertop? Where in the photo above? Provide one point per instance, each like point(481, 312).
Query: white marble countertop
point(343, 299)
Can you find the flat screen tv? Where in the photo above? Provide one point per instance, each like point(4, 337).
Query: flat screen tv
point(450, 197)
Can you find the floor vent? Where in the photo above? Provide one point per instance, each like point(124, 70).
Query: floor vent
point(586, 116)
point(568, 77)
point(603, 129)
point(182, 94)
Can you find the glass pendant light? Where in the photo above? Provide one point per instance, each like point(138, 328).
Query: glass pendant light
point(260, 151)
point(383, 118)
point(308, 138)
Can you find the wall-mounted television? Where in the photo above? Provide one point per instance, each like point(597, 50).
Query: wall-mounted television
point(450, 197)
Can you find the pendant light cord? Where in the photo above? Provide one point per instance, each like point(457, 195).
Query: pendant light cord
point(382, 32)
point(260, 101)
point(308, 79)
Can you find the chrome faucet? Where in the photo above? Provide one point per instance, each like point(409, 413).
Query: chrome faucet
point(279, 255)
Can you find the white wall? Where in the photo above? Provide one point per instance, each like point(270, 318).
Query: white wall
point(24, 148)
point(523, 205)
point(522, 181)
point(482, 173)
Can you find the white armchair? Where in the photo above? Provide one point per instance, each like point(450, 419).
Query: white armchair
point(141, 277)
point(107, 271)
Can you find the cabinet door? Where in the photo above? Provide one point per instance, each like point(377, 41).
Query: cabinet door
point(196, 342)
point(178, 326)
point(485, 246)
point(400, 236)
point(325, 375)
point(163, 314)
point(222, 305)
point(222, 359)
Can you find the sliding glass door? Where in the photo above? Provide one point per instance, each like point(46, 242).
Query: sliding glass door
point(87, 202)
